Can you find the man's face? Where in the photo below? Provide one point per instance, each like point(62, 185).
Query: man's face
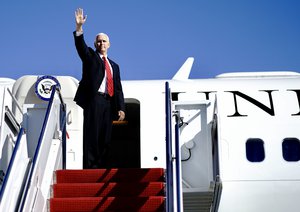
point(102, 44)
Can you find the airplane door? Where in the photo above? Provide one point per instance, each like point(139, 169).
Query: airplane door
point(195, 144)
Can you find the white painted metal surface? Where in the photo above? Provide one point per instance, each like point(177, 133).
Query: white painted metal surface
point(240, 106)
point(14, 184)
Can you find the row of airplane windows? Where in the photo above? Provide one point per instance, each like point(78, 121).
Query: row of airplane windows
point(290, 149)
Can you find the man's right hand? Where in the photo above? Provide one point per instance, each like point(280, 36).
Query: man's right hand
point(80, 19)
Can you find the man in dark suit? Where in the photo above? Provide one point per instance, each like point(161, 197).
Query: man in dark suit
point(97, 96)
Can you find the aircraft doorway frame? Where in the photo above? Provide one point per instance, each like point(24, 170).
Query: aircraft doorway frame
point(125, 143)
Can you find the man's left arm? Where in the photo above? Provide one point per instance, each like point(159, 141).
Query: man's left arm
point(119, 94)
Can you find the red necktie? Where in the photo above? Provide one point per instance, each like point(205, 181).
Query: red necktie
point(109, 79)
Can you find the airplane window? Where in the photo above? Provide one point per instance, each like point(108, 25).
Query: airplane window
point(291, 149)
point(255, 150)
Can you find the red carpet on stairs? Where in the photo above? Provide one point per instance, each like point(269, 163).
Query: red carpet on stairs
point(108, 190)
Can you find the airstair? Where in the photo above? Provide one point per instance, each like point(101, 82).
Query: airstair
point(33, 144)
point(36, 129)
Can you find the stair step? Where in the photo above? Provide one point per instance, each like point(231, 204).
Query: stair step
point(64, 190)
point(110, 175)
point(197, 201)
point(107, 204)
point(108, 190)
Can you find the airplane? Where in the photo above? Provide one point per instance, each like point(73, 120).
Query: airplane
point(229, 143)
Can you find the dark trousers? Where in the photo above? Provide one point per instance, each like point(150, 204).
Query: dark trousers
point(97, 127)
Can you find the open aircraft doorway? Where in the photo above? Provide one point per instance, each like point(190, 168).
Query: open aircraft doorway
point(125, 144)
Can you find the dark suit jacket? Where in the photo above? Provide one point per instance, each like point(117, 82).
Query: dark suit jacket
point(93, 70)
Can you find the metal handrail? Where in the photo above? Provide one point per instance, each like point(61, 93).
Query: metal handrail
point(169, 158)
point(34, 161)
point(63, 128)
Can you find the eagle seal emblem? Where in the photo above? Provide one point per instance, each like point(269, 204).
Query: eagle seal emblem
point(44, 86)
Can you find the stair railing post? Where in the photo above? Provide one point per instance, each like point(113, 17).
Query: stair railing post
point(169, 158)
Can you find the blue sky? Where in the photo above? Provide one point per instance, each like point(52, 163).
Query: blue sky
point(150, 39)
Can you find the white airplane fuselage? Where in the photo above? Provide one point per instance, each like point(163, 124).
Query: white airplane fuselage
point(238, 133)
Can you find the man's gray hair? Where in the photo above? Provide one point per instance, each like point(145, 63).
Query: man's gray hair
point(101, 33)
